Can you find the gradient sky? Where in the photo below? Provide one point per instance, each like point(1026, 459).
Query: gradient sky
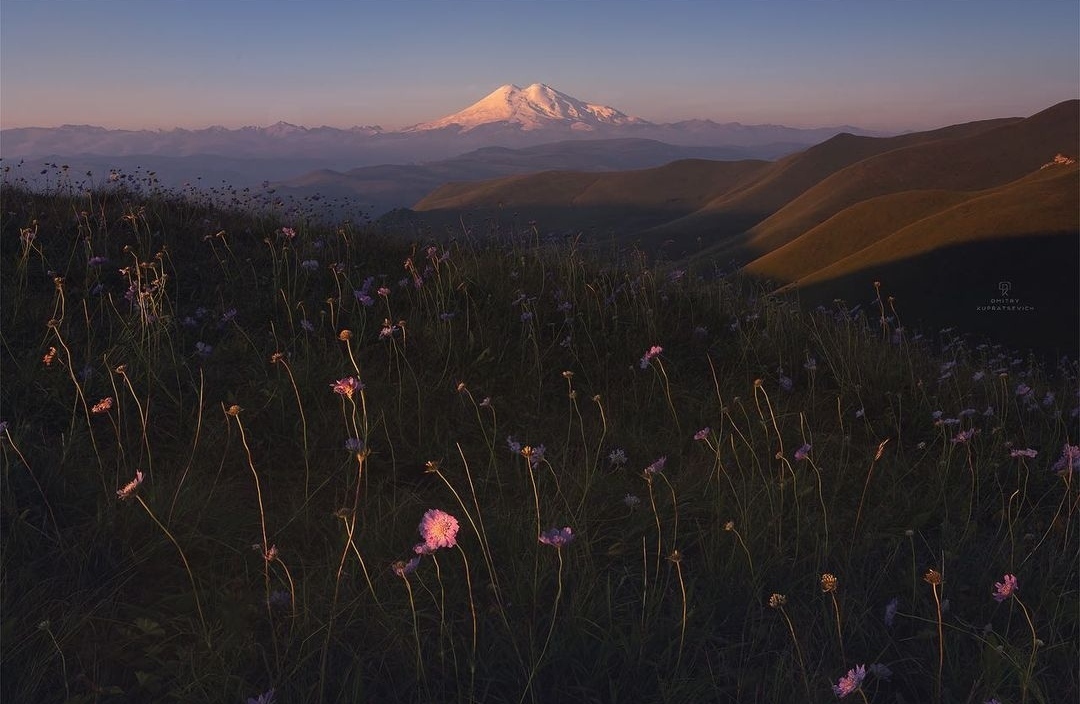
point(194, 63)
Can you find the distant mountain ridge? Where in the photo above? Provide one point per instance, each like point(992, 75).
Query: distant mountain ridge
point(510, 116)
point(940, 216)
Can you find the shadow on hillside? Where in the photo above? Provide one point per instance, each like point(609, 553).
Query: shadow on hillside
point(961, 286)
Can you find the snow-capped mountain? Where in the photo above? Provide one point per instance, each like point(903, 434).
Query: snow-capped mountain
point(537, 107)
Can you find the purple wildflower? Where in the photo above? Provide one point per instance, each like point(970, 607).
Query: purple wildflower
point(1029, 453)
point(266, 697)
point(703, 433)
point(850, 682)
point(402, 568)
point(288, 233)
point(786, 384)
point(617, 457)
point(98, 261)
point(1003, 590)
point(652, 353)
point(354, 444)
point(802, 452)
point(657, 466)
point(1069, 460)
point(557, 537)
point(964, 435)
point(307, 325)
point(890, 612)
point(1023, 389)
point(310, 264)
point(512, 444)
point(631, 501)
point(228, 315)
point(202, 349)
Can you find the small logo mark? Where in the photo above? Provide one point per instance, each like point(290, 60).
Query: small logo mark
point(1004, 287)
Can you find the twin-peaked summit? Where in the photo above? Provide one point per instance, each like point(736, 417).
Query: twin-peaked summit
point(536, 107)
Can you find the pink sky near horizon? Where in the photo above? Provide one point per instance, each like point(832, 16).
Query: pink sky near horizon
point(888, 66)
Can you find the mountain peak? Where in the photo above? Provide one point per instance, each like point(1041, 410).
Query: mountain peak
point(536, 107)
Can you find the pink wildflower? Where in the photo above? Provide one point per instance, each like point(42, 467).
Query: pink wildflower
point(557, 537)
point(850, 682)
point(439, 530)
point(1003, 590)
point(131, 487)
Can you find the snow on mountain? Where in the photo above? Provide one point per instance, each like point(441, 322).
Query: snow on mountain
point(534, 108)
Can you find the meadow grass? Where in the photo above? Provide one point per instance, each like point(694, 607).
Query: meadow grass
point(222, 427)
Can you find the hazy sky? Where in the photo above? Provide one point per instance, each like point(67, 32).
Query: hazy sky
point(193, 63)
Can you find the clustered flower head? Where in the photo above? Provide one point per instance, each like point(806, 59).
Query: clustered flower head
point(402, 568)
point(802, 453)
point(829, 582)
point(652, 353)
point(557, 537)
point(850, 682)
point(1069, 460)
point(347, 386)
point(439, 530)
point(1003, 590)
point(703, 433)
point(129, 489)
point(102, 405)
point(655, 467)
point(777, 600)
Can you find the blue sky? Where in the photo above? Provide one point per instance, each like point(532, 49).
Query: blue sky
point(193, 63)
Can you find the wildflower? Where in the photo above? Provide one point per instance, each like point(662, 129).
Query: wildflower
point(1048, 399)
point(49, 356)
point(1023, 389)
point(829, 582)
point(810, 365)
point(850, 682)
point(650, 355)
point(447, 317)
point(266, 697)
point(526, 316)
point(383, 291)
point(288, 233)
point(967, 412)
point(880, 670)
point(402, 568)
point(485, 402)
point(279, 598)
point(992, 700)
point(535, 455)
point(131, 487)
point(512, 444)
point(307, 325)
point(1029, 453)
point(933, 577)
point(438, 529)
point(310, 264)
point(103, 405)
point(802, 452)
point(4, 426)
point(1069, 460)
point(98, 261)
point(631, 501)
point(1003, 590)
point(228, 315)
point(786, 384)
point(860, 413)
point(354, 444)
point(703, 433)
point(964, 435)
point(657, 466)
point(202, 349)
point(729, 526)
point(890, 612)
point(777, 600)
point(617, 457)
point(347, 386)
point(557, 537)
point(978, 376)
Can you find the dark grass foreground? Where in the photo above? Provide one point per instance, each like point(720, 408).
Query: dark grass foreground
point(221, 433)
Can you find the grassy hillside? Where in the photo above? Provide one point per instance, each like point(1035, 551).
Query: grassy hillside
point(249, 458)
point(983, 160)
